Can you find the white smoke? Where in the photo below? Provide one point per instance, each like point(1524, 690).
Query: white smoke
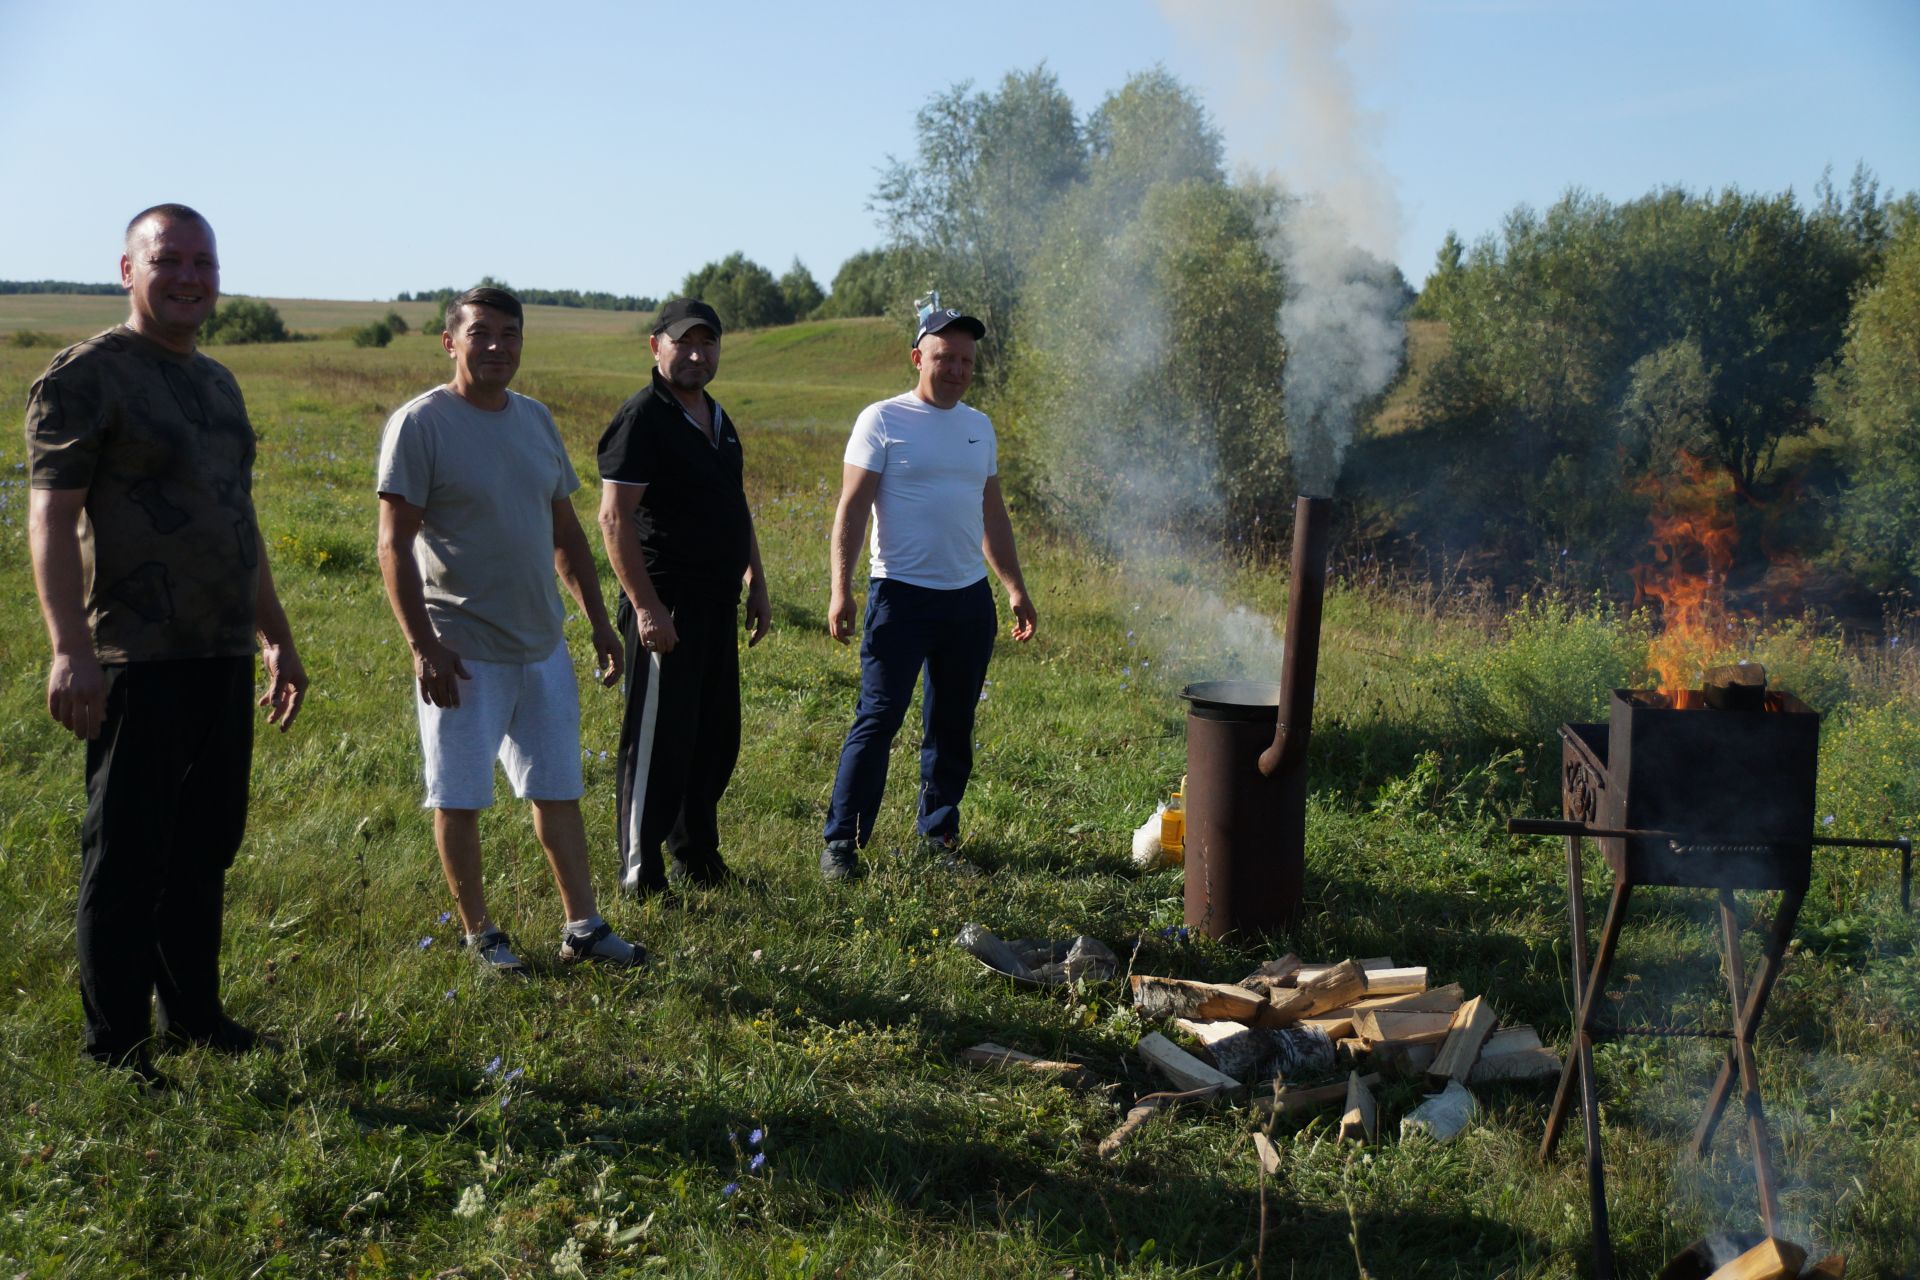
point(1294, 109)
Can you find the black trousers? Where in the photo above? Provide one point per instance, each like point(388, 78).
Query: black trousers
point(166, 808)
point(680, 735)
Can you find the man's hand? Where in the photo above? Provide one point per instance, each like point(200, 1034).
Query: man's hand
point(439, 671)
point(607, 643)
point(286, 684)
point(1023, 615)
point(840, 616)
point(77, 694)
point(759, 613)
point(656, 628)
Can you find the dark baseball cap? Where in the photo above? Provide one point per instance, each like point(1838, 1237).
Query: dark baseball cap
point(683, 314)
point(942, 317)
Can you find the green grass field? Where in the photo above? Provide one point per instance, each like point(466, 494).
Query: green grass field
point(77, 315)
point(416, 1119)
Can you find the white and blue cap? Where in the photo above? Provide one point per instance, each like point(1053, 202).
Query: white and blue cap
point(936, 318)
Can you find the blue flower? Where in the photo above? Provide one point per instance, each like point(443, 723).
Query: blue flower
point(445, 916)
point(730, 1189)
point(759, 1158)
point(450, 994)
point(755, 1137)
point(1827, 821)
point(425, 942)
point(513, 1075)
point(493, 1066)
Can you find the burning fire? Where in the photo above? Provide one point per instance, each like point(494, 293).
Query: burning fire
point(1693, 539)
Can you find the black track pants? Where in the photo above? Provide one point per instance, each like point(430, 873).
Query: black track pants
point(680, 736)
point(166, 808)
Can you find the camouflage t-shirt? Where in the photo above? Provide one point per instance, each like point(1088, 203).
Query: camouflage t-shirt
point(162, 445)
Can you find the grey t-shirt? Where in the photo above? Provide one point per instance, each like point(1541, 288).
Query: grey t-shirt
point(487, 482)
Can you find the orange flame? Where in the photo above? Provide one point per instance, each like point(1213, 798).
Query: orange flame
point(1692, 540)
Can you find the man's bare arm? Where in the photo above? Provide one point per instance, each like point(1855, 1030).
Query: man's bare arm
point(76, 687)
point(620, 532)
point(996, 544)
point(286, 674)
point(858, 486)
point(573, 561)
point(437, 667)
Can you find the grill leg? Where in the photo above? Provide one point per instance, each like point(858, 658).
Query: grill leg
point(1747, 1016)
point(1586, 996)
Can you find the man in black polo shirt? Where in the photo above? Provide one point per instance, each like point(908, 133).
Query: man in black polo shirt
point(674, 515)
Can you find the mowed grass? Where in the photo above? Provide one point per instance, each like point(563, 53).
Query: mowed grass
point(416, 1119)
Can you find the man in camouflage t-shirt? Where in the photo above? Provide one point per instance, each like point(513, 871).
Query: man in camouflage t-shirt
point(153, 582)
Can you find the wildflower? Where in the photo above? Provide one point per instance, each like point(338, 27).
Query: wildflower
point(513, 1075)
point(473, 1202)
point(1827, 821)
point(450, 995)
point(1126, 671)
point(603, 755)
point(983, 695)
point(754, 1138)
point(759, 1158)
point(425, 942)
point(493, 1066)
point(730, 1189)
point(445, 916)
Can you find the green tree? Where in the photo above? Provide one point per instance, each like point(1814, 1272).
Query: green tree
point(1437, 293)
point(1874, 396)
point(972, 210)
point(744, 293)
point(243, 320)
point(868, 284)
point(372, 335)
point(801, 291)
point(396, 323)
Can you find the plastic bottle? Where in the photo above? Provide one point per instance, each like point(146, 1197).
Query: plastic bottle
point(1173, 828)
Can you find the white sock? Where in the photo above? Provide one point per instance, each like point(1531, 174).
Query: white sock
point(582, 927)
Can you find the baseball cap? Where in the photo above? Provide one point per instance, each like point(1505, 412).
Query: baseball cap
point(934, 319)
point(683, 314)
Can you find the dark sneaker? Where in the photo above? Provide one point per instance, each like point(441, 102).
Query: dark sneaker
point(495, 953)
point(224, 1036)
point(944, 855)
point(602, 946)
point(138, 1066)
point(661, 891)
point(840, 860)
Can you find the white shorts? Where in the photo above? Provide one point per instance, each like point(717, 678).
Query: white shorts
point(527, 714)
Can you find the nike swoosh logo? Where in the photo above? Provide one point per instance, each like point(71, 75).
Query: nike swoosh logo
point(973, 442)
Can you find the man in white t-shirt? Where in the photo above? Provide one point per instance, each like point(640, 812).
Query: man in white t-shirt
point(926, 467)
point(475, 518)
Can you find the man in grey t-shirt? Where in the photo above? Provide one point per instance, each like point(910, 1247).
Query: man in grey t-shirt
point(475, 517)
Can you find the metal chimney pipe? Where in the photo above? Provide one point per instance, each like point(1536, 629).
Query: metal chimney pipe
point(1300, 663)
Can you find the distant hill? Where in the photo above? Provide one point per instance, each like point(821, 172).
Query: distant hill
point(55, 286)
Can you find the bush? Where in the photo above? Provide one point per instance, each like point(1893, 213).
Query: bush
point(35, 338)
point(396, 323)
point(244, 320)
point(1556, 663)
point(376, 334)
point(1868, 787)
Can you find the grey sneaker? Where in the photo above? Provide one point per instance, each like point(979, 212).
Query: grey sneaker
point(604, 946)
point(945, 856)
point(840, 860)
point(495, 952)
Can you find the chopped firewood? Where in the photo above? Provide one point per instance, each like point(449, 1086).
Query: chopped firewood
point(1472, 1024)
point(1274, 973)
point(1142, 1109)
point(1333, 988)
point(1157, 998)
point(1396, 982)
point(1308, 972)
point(1336, 1025)
point(1404, 1058)
point(1362, 1117)
point(1442, 1116)
point(1509, 1040)
point(1400, 1024)
point(1771, 1259)
point(1291, 1102)
point(1234, 1048)
point(1435, 999)
point(1831, 1267)
point(1176, 1064)
point(1516, 1067)
point(988, 1054)
point(1268, 1153)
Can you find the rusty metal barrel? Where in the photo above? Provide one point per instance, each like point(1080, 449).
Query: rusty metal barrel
point(1246, 796)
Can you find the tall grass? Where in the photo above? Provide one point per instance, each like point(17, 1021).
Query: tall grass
point(414, 1119)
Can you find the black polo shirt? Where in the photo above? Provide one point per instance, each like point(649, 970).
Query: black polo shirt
point(695, 528)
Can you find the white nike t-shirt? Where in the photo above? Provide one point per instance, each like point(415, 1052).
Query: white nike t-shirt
point(934, 464)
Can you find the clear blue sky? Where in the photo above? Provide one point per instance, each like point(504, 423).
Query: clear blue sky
point(354, 150)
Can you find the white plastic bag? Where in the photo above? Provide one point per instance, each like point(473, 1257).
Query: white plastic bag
point(1147, 853)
